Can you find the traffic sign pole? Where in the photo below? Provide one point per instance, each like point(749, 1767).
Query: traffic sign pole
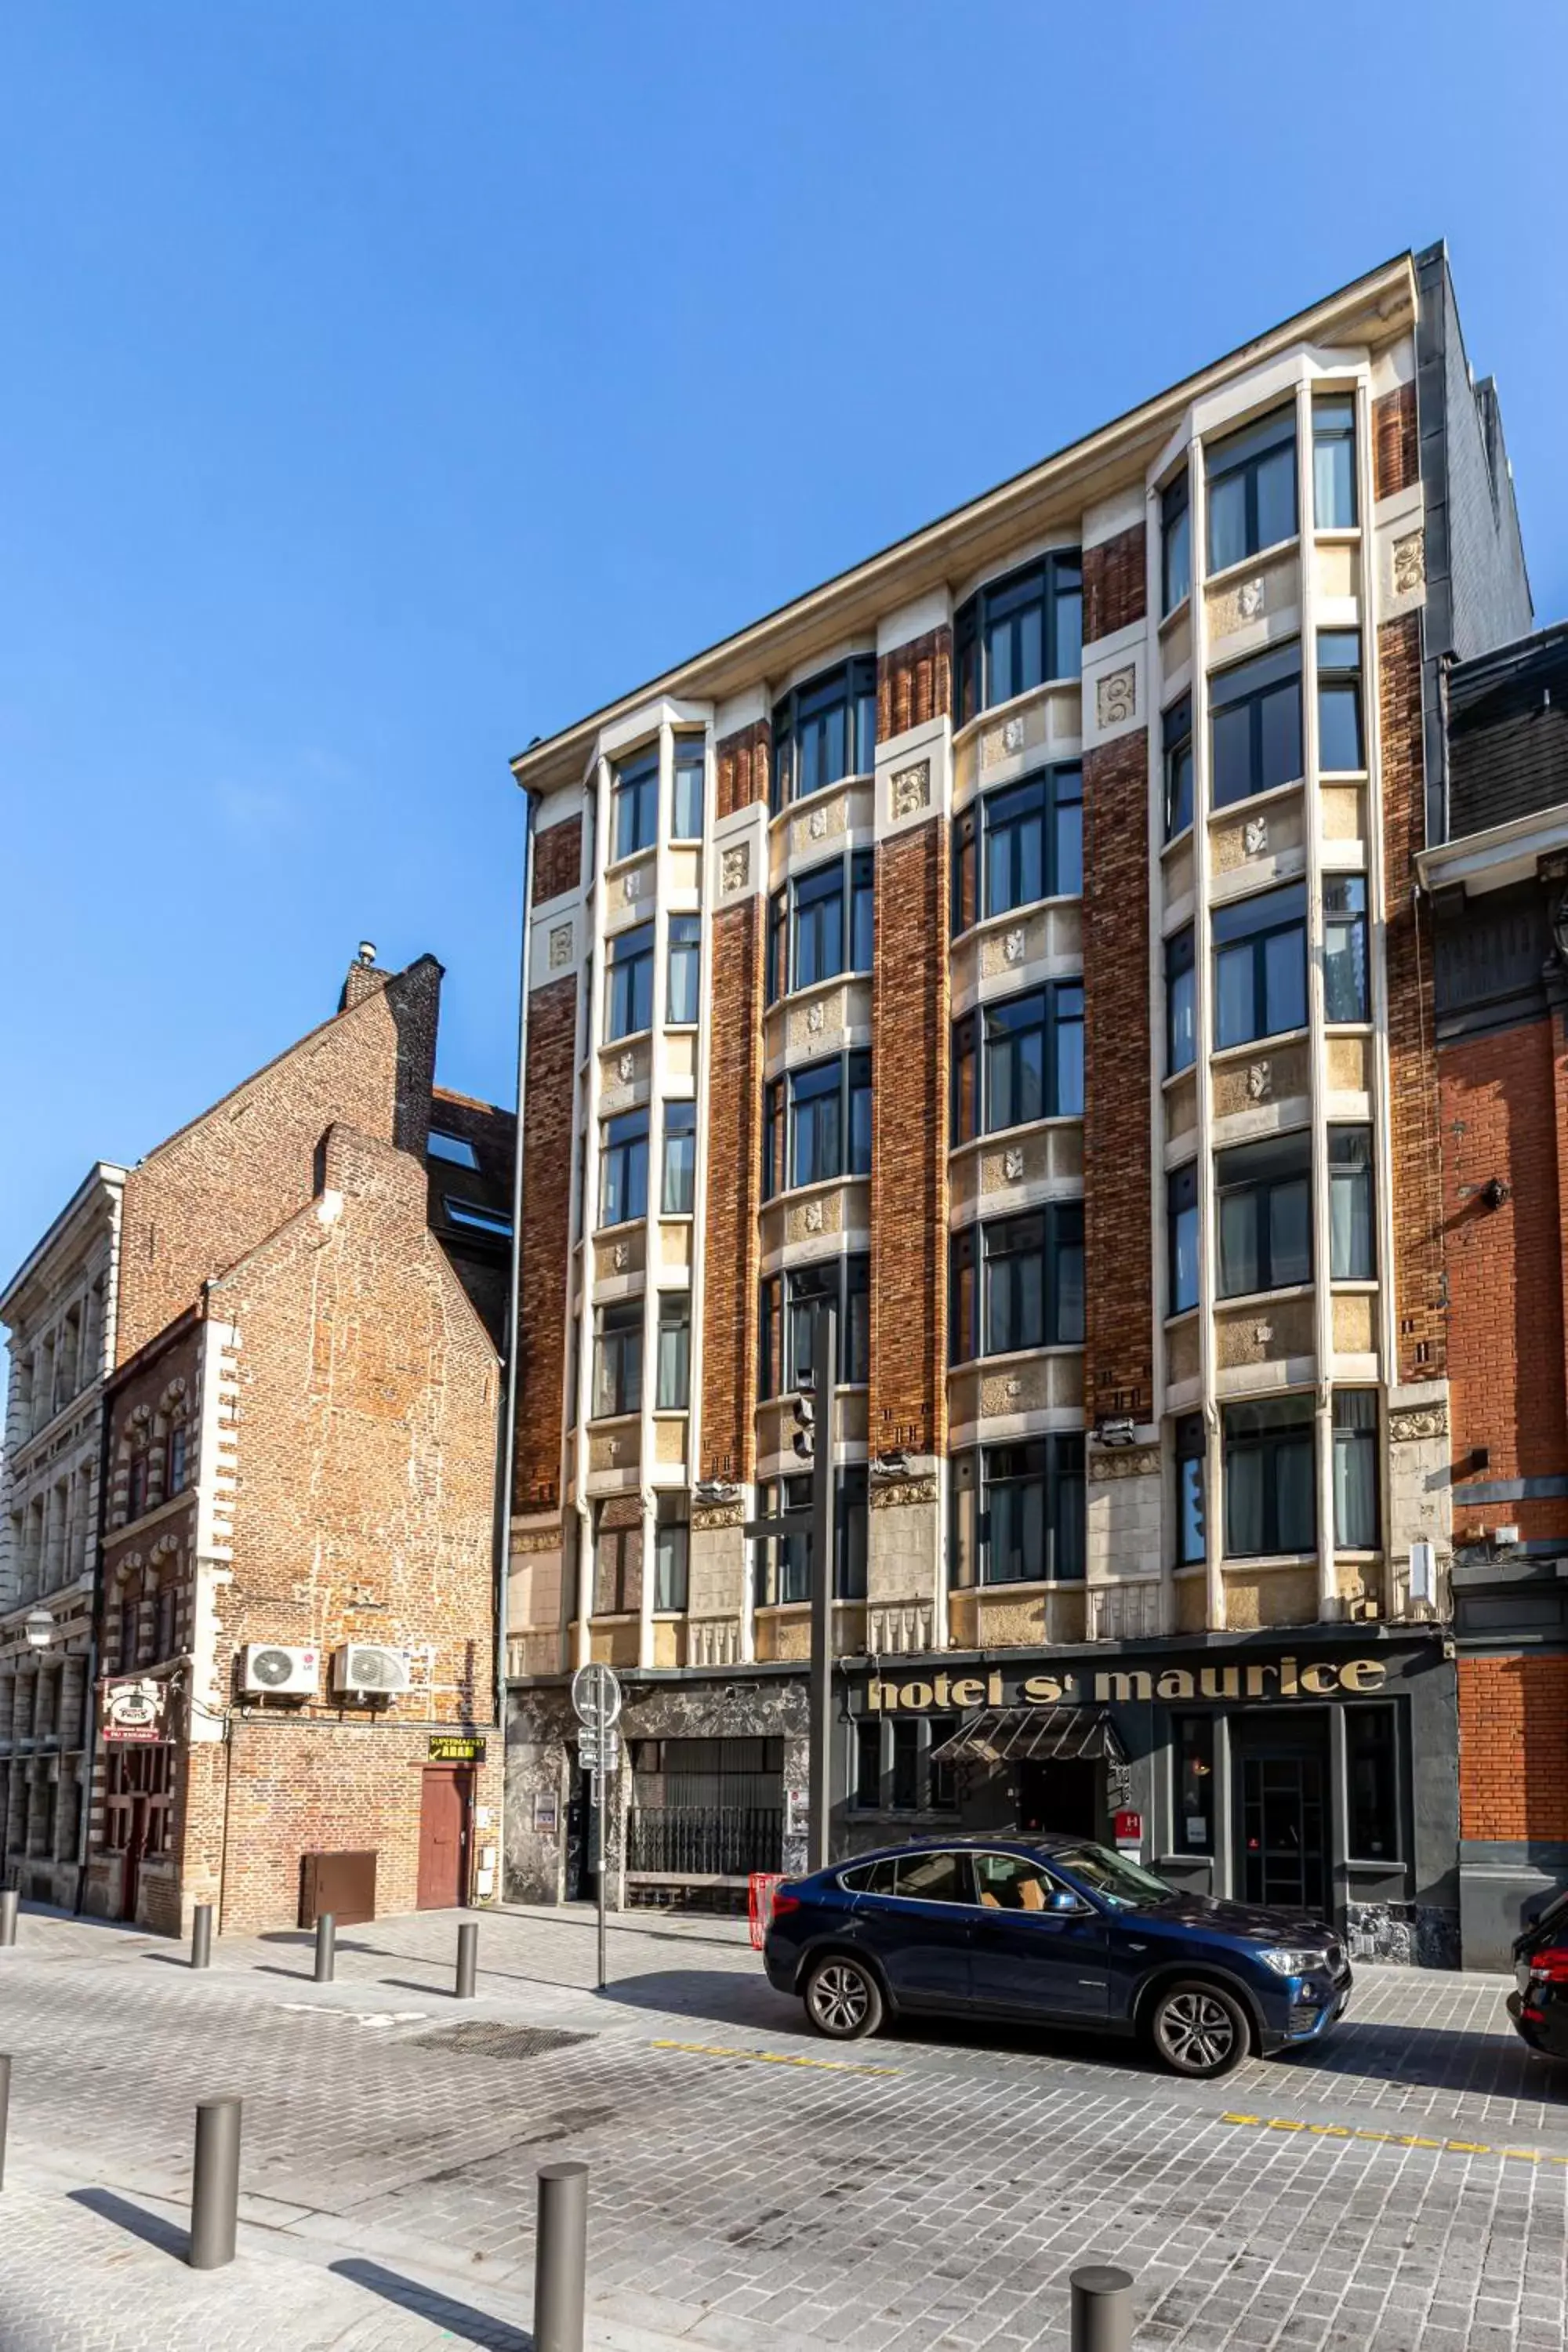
point(825, 1374)
point(597, 1699)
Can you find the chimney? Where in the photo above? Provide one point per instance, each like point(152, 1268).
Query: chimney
point(363, 980)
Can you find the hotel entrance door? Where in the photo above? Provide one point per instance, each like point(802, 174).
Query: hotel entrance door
point(1283, 1811)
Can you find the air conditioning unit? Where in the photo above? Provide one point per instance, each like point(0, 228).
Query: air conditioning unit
point(369, 1666)
point(289, 1672)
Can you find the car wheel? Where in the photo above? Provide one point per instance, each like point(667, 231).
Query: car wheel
point(843, 1998)
point(1199, 2030)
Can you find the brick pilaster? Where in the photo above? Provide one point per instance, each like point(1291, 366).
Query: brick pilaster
point(1395, 455)
point(545, 1243)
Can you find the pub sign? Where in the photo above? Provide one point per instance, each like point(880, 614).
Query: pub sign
point(135, 1708)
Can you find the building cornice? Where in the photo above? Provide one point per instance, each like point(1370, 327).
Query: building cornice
point(1490, 860)
point(101, 1185)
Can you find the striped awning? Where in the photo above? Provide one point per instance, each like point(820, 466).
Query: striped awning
point(1012, 1735)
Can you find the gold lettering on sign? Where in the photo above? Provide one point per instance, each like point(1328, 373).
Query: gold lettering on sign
point(970, 1691)
point(1267, 1679)
point(1360, 1675)
point(1042, 1690)
point(1124, 1686)
point(1176, 1683)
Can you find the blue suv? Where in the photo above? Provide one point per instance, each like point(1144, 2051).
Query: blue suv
point(1054, 1931)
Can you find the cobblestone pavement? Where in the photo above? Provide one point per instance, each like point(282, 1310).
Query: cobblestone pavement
point(1404, 2186)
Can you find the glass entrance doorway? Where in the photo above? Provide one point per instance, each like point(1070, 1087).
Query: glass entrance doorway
point(1282, 1813)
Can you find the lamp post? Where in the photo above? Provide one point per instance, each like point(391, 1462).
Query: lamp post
point(39, 1627)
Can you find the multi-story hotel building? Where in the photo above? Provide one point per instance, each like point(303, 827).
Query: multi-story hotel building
point(1016, 939)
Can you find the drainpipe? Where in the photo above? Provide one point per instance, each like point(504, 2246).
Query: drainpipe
point(89, 1745)
point(509, 1399)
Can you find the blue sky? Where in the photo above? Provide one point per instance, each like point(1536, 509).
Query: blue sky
point(386, 384)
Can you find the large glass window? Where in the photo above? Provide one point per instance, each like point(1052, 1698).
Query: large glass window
point(1255, 726)
point(1181, 1003)
point(1265, 1214)
point(1032, 1511)
point(623, 1170)
point(1333, 462)
point(1252, 488)
point(1019, 1060)
point(685, 969)
point(1018, 846)
point(823, 730)
point(1344, 947)
point(817, 1124)
point(633, 804)
point(1182, 1223)
point(1372, 1772)
point(1355, 1469)
point(809, 939)
point(1260, 965)
point(1342, 747)
point(1192, 1516)
point(850, 1533)
point(784, 1565)
point(788, 1323)
point(617, 1568)
point(674, 1386)
point(686, 814)
point(679, 1159)
point(1176, 545)
point(1020, 631)
point(1352, 1245)
point(1178, 742)
point(617, 1360)
point(670, 1537)
point(1270, 1503)
point(629, 970)
point(1017, 1282)
point(1192, 1751)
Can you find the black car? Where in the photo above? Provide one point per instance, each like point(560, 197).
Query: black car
point(1539, 2002)
point(1054, 1931)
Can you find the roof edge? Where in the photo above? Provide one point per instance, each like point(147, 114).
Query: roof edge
point(105, 1174)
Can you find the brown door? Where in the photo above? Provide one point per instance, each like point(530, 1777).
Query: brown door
point(135, 1847)
point(443, 1837)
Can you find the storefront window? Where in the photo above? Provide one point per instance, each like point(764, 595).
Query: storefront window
point(1192, 1747)
point(1373, 1784)
point(868, 1764)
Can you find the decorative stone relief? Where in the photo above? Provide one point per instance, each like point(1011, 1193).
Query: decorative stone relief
point(627, 1066)
point(631, 884)
point(1116, 696)
point(816, 824)
point(887, 1495)
point(1125, 1462)
point(1014, 1388)
point(816, 1018)
point(623, 1256)
point(1012, 945)
point(719, 1514)
point(911, 789)
point(811, 1220)
point(1409, 564)
point(560, 947)
point(1409, 1424)
point(1002, 742)
point(1250, 599)
point(1255, 835)
point(1013, 1164)
point(1261, 1334)
point(1260, 1082)
point(735, 868)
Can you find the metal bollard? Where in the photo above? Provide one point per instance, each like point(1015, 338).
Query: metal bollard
point(10, 1904)
point(202, 1936)
point(468, 1960)
point(215, 2184)
point(4, 2109)
point(560, 2258)
point(326, 1946)
point(1101, 2309)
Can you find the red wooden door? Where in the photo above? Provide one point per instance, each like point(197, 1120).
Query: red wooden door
point(444, 1838)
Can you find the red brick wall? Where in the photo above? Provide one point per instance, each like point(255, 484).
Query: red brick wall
point(741, 763)
point(546, 1239)
point(1513, 1747)
point(1501, 1119)
point(910, 1059)
point(1413, 1075)
point(557, 860)
point(1118, 1047)
point(219, 1186)
point(1395, 456)
point(1115, 584)
point(914, 683)
point(730, 1304)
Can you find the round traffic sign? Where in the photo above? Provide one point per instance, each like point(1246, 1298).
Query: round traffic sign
point(595, 1694)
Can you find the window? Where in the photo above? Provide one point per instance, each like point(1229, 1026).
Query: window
point(1265, 1214)
point(1192, 1751)
point(788, 1339)
point(1255, 726)
point(807, 938)
point(670, 1553)
point(1019, 633)
point(618, 1569)
point(1030, 1064)
point(1032, 839)
point(136, 1500)
point(1178, 741)
point(617, 1360)
point(1192, 1516)
point(1334, 463)
point(934, 1877)
point(673, 1387)
point(1252, 490)
point(868, 1764)
point(783, 1562)
point(677, 1189)
point(629, 970)
point(1371, 1757)
point(686, 815)
point(1176, 545)
point(685, 969)
point(1008, 1882)
point(1030, 1290)
point(129, 1614)
point(454, 1148)
point(849, 1544)
point(1032, 1514)
point(1181, 1003)
point(477, 1219)
point(634, 802)
point(177, 1451)
point(1342, 748)
point(1261, 966)
point(817, 1124)
point(1355, 1469)
point(941, 1791)
point(1269, 1502)
point(1352, 1248)
point(623, 1170)
point(1182, 1232)
point(164, 1623)
point(1344, 947)
point(823, 730)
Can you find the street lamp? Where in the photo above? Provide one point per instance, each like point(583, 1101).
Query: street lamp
point(39, 1627)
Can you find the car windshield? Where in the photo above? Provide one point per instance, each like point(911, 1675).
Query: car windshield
point(1125, 1885)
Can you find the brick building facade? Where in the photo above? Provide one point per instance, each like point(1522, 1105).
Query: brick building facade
point(1016, 939)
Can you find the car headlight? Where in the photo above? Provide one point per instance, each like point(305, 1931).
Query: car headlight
point(1292, 1963)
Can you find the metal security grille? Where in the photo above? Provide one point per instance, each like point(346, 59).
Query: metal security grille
point(479, 2040)
point(706, 1842)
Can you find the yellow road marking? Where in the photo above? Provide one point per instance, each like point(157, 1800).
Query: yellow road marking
point(1394, 2139)
point(776, 2058)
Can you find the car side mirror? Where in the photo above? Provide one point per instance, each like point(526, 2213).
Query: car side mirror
point(1062, 1901)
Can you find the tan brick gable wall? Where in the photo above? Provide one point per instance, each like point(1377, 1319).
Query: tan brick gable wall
point(1396, 456)
point(914, 683)
point(1118, 1047)
point(733, 1187)
point(910, 1063)
point(1115, 584)
point(740, 766)
point(557, 860)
